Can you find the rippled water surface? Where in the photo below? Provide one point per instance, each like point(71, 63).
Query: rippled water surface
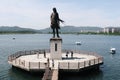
point(100, 44)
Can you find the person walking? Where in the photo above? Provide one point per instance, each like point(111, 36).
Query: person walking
point(44, 54)
point(67, 54)
point(53, 63)
point(71, 54)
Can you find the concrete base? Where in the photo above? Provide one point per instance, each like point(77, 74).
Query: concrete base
point(56, 48)
point(79, 62)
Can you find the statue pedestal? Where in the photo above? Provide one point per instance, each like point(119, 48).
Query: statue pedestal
point(56, 48)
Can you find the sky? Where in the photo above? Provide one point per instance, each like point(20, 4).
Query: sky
point(36, 13)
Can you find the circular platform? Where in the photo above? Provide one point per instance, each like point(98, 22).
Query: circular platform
point(37, 61)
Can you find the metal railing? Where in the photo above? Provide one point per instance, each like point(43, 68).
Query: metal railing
point(61, 65)
point(80, 65)
point(23, 53)
point(39, 51)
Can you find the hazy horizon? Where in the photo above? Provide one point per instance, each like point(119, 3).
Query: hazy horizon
point(62, 26)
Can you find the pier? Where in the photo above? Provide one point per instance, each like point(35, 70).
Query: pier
point(55, 59)
point(35, 60)
point(50, 74)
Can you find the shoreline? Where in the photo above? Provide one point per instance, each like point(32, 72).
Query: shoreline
point(115, 34)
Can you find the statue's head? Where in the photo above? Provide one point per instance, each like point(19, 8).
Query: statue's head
point(54, 9)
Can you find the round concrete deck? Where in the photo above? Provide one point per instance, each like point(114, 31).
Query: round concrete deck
point(38, 61)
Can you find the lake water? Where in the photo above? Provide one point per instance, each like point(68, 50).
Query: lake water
point(100, 44)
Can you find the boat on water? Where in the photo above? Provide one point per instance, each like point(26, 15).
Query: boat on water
point(112, 50)
point(78, 43)
point(13, 38)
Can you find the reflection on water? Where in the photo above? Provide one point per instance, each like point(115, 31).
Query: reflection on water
point(86, 75)
point(112, 56)
point(18, 74)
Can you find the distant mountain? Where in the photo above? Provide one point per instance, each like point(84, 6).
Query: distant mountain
point(14, 28)
point(80, 29)
point(65, 29)
point(72, 29)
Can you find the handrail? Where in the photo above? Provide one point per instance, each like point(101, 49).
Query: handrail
point(23, 53)
point(80, 65)
point(40, 65)
point(41, 51)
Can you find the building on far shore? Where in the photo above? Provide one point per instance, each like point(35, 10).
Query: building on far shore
point(111, 30)
point(94, 31)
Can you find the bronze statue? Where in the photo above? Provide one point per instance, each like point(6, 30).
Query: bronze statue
point(55, 25)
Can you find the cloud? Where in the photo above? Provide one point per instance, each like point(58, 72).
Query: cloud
point(36, 13)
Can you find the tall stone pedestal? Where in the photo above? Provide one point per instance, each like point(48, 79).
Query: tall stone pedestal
point(56, 48)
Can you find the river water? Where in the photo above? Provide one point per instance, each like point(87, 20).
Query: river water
point(100, 44)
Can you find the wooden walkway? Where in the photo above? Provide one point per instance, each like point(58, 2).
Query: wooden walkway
point(55, 74)
point(50, 74)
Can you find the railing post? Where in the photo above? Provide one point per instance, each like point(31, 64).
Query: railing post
point(89, 62)
point(15, 56)
point(24, 63)
point(84, 64)
point(94, 61)
point(78, 65)
point(29, 65)
point(98, 60)
point(39, 64)
point(68, 65)
point(58, 65)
